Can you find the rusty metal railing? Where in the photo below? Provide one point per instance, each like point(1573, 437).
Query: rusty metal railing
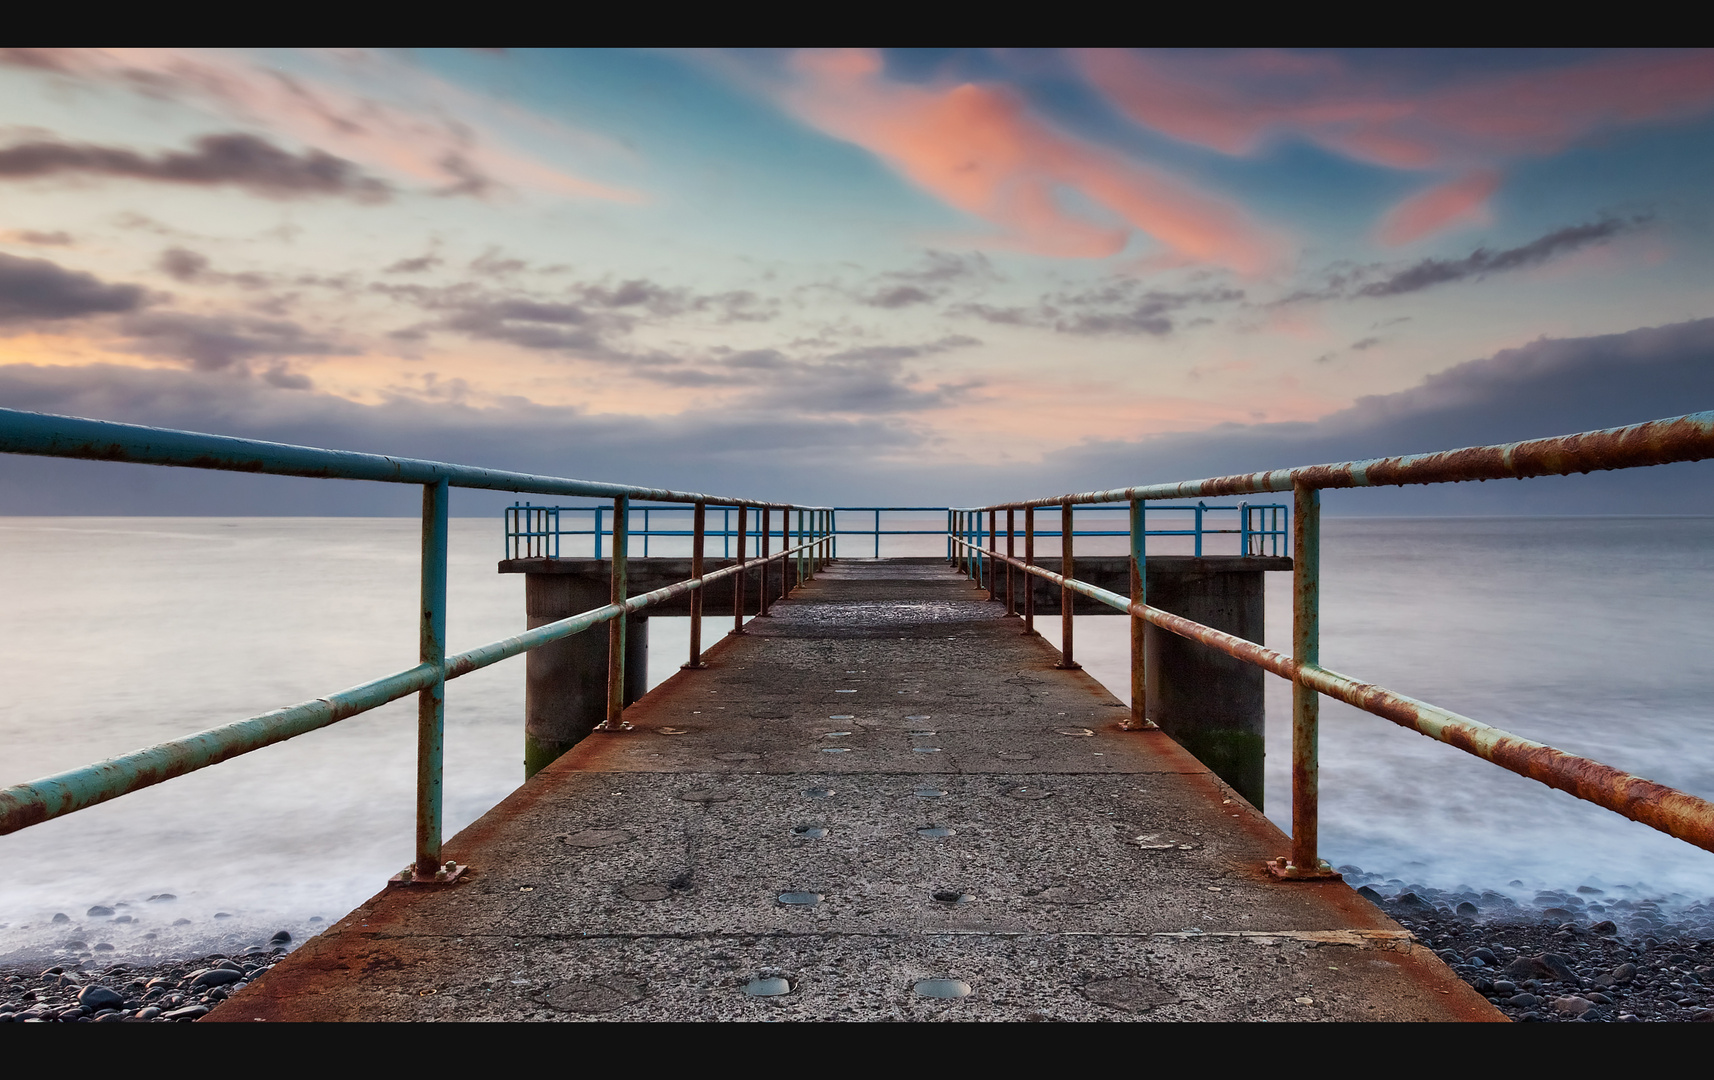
point(1658, 442)
point(23, 805)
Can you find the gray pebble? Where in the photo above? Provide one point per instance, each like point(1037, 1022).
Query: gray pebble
point(98, 912)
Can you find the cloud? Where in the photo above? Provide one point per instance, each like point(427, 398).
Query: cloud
point(1118, 307)
point(36, 290)
point(39, 239)
point(1544, 388)
point(774, 454)
point(977, 148)
point(1481, 263)
point(193, 267)
point(586, 319)
point(928, 281)
point(220, 342)
point(414, 266)
point(421, 132)
point(1454, 204)
point(761, 450)
point(1390, 111)
point(234, 158)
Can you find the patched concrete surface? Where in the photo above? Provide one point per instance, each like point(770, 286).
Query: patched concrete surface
point(883, 783)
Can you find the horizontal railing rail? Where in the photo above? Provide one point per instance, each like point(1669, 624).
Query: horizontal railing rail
point(27, 804)
point(1658, 442)
point(536, 531)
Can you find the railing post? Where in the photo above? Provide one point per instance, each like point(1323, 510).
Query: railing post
point(1028, 578)
point(738, 578)
point(1011, 598)
point(993, 567)
point(1305, 861)
point(1243, 528)
point(877, 534)
point(431, 702)
point(598, 532)
point(1139, 718)
point(616, 629)
point(698, 528)
point(1067, 598)
point(1199, 508)
point(762, 584)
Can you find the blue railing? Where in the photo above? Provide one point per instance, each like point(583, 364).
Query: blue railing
point(23, 805)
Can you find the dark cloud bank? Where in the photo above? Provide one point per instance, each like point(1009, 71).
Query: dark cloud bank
point(1548, 387)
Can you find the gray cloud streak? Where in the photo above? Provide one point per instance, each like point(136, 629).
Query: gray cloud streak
point(36, 290)
point(235, 158)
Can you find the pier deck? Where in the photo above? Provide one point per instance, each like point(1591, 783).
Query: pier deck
point(1098, 875)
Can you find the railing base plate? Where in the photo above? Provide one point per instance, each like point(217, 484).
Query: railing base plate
point(1282, 869)
point(446, 875)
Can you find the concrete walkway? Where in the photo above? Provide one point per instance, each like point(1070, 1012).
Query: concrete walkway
point(988, 831)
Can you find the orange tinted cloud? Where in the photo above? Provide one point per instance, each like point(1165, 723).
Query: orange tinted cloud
point(977, 148)
point(1234, 103)
point(1454, 204)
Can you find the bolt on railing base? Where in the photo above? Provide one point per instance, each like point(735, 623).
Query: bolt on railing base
point(693, 667)
point(1146, 725)
point(1073, 666)
point(1283, 869)
point(608, 725)
point(446, 875)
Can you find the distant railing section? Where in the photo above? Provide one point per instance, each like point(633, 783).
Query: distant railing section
point(537, 532)
point(973, 536)
point(23, 805)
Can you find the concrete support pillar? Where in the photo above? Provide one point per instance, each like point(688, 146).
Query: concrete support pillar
point(1210, 703)
point(565, 683)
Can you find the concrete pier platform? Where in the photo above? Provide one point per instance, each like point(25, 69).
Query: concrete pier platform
point(881, 791)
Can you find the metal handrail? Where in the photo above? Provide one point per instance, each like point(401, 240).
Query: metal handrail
point(1657, 442)
point(23, 805)
point(535, 531)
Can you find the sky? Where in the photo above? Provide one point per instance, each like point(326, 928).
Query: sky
point(941, 276)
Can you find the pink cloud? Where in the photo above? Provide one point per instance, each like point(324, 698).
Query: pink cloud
point(1236, 102)
point(978, 149)
point(1454, 204)
point(426, 139)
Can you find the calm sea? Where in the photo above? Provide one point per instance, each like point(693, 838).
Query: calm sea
point(1591, 634)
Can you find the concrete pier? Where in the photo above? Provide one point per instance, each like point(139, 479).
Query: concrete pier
point(881, 793)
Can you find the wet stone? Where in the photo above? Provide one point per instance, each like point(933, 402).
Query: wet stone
point(96, 998)
point(934, 832)
point(98, 912)
point(929, 793)
point(819, 792)
point(952, 896)
point(800, 899)
point(809, 832)
point(768, 986)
